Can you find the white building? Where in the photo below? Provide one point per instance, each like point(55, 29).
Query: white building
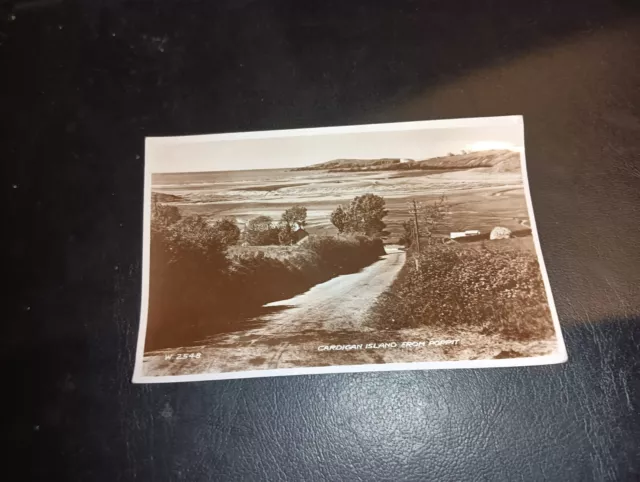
point(463, 234)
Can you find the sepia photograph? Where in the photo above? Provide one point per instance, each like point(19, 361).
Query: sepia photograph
point(341, 249)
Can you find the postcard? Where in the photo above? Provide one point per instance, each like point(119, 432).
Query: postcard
point(401, 246)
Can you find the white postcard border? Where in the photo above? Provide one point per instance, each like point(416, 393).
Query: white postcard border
point(152, 143)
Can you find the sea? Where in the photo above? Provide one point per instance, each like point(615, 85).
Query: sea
point(221, 179)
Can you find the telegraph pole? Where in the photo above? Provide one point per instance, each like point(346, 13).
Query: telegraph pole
point(413, 209)
point(416, 232)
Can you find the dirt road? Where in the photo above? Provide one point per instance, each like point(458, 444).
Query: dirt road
point(290, 330)
point(338, 304)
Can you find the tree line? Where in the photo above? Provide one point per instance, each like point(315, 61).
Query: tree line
point(263, 231)
point(363, 215)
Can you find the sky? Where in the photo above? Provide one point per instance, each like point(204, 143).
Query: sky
point(228, 153)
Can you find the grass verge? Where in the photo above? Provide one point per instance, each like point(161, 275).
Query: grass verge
point(492, 290)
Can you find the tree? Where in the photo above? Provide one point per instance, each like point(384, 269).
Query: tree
point(407, 236)
point(433, 218)
point(227, 231)
point(286, 235)
point(365, 214)
point(260, 231)
point(339, 219)
point(424, 222)
point(297, 215)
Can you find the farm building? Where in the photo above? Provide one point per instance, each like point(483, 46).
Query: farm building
point(463, 234)
point(299, 234)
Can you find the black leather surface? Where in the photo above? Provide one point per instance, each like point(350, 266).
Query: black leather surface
point(85, 81)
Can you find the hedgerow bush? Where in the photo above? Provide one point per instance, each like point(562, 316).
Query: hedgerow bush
point(496, 291)
point(262, 279)
point(197, 289)
point(345, 253)
point(187, 268)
